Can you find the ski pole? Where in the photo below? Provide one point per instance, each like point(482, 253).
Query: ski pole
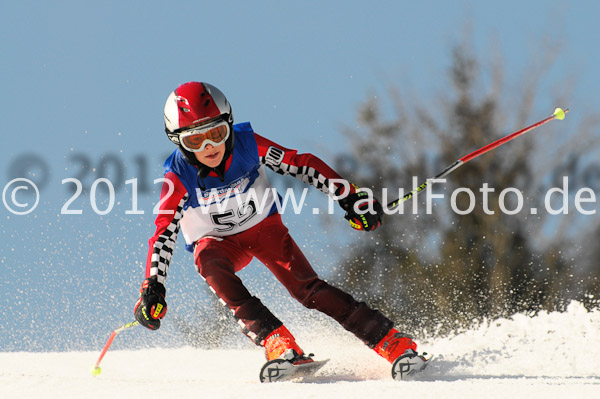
point(559, 114)
point(96, 369)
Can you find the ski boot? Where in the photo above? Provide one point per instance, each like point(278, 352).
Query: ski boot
point(285, 359)
point(401, 351)
point(281, 343)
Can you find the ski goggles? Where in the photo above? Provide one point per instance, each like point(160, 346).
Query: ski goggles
point(197, 138)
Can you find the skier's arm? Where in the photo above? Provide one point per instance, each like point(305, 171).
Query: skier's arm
point(172, 197)
point(306, 167)
point(151, 306)
point(312, 170)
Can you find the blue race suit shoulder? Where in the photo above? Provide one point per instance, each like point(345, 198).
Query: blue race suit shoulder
point(219, 206)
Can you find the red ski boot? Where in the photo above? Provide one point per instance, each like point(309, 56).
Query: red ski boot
point(400, 350)
point(285, 359)
point(280, 344)
point(394, 345)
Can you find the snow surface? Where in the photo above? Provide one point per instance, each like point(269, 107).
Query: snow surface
point(551, 355)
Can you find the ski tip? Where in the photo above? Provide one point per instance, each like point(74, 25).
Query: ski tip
point(279, 370)
point(408, 366)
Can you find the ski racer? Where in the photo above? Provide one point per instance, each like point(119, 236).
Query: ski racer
point(214, 183)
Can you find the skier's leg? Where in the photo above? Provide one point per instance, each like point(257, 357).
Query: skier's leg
point(217, 260)
point(278, 251)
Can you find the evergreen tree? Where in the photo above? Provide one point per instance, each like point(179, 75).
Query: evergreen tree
point(444, 271)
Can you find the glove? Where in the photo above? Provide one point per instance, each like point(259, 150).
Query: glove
point(368, 221)
point(151, 307)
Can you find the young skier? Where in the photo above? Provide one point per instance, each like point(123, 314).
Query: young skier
point(217, 167)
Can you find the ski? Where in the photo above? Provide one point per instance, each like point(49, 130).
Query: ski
point(283, 370)
point(409, 366)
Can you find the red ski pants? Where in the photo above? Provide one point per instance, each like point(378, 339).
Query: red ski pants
point(219, 258)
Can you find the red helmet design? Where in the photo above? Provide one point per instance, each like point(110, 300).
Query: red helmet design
point(194, 104)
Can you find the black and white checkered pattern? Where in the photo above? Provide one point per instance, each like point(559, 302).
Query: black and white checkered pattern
point(274, 156)
point(165, 244)
point(274, 160)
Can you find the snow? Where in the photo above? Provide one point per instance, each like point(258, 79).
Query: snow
point(551, 355)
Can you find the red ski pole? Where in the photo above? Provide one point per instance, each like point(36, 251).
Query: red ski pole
point(96, 369)
point(559, 114)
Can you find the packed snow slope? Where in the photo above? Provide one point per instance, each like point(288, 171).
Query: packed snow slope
point(551, 355)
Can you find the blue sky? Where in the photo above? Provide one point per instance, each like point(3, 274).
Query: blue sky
point(81, 81)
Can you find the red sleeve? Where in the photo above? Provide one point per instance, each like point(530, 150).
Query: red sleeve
point(172, 197)
point(306, 167)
